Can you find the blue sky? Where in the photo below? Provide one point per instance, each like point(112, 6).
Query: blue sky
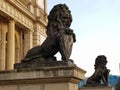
point(96, 24)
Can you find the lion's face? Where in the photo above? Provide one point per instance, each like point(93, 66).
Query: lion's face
point(101, 60)
point(66, 18)
point(59, 16)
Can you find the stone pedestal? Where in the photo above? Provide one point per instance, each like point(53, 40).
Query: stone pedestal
point(97, 88)
point(46, 78)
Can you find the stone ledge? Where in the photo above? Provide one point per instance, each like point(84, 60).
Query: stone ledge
point(39, 80)
point(97, 88)
point(41, 62)
point(57, 73)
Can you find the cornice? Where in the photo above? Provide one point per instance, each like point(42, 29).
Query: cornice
point(40, 80)
point(15, 10)
point(21, 8)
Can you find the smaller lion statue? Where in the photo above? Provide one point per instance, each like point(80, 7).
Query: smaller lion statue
point(60, 37)
point(100, 76)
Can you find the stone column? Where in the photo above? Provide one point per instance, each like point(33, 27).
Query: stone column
point(10, 57)
point(3, 47)
point(2, 44)
point(28, 40)
point(45, 5)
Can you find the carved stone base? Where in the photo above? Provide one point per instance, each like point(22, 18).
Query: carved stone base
point(41, 62)
point(44, 78)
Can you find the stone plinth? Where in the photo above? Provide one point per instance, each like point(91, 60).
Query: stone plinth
point(46, 78)
point(98, 88)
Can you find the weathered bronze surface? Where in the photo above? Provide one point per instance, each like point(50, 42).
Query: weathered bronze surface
point(100, 76)
point(60, 38)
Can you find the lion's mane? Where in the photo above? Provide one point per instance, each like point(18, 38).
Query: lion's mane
point(55, 17)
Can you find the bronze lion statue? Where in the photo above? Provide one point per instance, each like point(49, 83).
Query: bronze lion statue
point(100, 76)
point(60, 37)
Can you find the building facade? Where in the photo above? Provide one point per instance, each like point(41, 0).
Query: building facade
point(22, 26)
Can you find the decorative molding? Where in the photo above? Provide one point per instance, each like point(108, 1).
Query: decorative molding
point(25, 2)
point(40, 80)
point(21, 14)
point(17, 15)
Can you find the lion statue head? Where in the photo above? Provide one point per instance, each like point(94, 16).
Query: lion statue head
point(59, 17)
point(101, 60)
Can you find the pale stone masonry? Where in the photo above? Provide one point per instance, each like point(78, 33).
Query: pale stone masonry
point(46, 78)
point(22, 24)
